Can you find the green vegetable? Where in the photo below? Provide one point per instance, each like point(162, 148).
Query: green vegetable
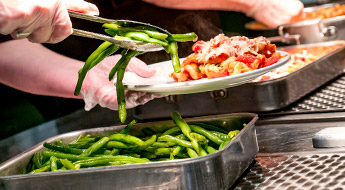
point(182, 141)
point(127, 139)
point(175, 140)
point(99, 144)
point(128, 127)
point(64, 149)
point(185, 37)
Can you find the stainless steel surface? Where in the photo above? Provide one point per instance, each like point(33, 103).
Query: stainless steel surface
point(287, 158)
point(311, 31)
point(266, 96)
point(286, 39)
point(129, 44)
point(330, 97)
point(106, 20)
point(214, 171)
point(310, 171)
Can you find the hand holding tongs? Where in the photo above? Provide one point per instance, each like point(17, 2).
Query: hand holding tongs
point(128, 44)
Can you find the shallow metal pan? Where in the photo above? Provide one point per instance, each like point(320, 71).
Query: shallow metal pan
point(214, 171)
point(311, 31)
point(252, 97)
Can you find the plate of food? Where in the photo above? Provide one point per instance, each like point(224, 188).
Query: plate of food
point(219, 63)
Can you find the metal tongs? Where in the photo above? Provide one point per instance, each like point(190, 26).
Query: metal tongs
point(128, 44)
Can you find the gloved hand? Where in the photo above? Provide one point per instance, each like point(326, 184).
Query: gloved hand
point(275, 12)
point(38, 20)
point(97, 89)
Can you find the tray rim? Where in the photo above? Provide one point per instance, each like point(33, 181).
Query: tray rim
point(154, 164)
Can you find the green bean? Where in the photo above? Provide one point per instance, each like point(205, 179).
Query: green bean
point(232, 134)
point(118, 144)
point(163, 151)
point(121, 163)
point(145, 38)
point(101, 53)
point(171, 131)
point(185, 37)
point(185, 129)
point(198, 137)
point(175, 140)
point(39, 170)
point(37, 160)
point(202, 152)
point(97, 145)
point(221, 146)
point(171, 48)
point(206, 133)
point(150, 32)
point(162, 144)
point(62, 169)
point(120, 91)
point(58, 142)
point(182, 137)
point(149, 155)
point(208, 127)
point(112, 152)
point(210, 149)
point(68, 164)
point(176, 151)
point(149, 142)
point(63, 155)
point(113, 159)
point(63, 148)
point(192, 153)
point(127, 139)
point(222, 136)
point(156, 35)
point(53, 165)
point(127, 128)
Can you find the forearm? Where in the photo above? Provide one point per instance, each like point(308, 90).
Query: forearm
point(35, 69)
point(227, 5)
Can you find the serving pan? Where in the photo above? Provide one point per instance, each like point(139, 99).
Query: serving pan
point(214, 171)
point(311, 31)
point(256, 97)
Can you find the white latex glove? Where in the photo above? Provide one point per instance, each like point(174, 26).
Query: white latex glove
point(38, 20)
point(275, 12)
point(97, 89)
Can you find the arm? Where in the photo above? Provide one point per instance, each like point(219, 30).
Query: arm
point(35, 69)
point(32, 68)
point(270, 12)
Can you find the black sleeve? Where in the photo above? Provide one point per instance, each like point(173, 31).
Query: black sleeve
point(4, 38)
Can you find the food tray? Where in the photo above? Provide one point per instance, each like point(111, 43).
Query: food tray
point(332, 28)
point(262, 96)
point(214, 171)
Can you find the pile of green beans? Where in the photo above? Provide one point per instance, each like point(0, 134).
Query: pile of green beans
point(184, 140)
point(139, 33)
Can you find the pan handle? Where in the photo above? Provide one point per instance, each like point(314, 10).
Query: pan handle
point(287, 38)
point(329, 32)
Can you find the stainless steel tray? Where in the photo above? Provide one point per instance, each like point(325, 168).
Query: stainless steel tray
point(252, 97)
point(311, 31)
point(214, 171)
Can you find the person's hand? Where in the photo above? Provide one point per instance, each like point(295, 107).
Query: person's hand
point(38, 20)
point(97, 89)
point(275, 12)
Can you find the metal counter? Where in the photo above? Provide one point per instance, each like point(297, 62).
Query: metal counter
point(286, 158)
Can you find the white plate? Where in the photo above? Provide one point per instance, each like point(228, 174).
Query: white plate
point(162, 84)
